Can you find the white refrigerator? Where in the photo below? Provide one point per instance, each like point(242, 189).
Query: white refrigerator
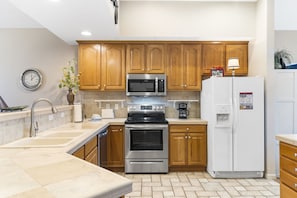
point(234, 109)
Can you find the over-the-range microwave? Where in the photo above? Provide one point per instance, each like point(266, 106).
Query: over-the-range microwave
point(146, 85)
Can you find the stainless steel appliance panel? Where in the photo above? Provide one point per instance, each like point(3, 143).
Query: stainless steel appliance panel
point(145, 130)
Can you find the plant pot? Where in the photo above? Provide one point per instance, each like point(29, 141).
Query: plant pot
point(70, 97)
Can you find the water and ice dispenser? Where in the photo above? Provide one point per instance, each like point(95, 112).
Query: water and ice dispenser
point(223, 115)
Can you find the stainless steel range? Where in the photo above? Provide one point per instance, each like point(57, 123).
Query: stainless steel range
point(146, 139)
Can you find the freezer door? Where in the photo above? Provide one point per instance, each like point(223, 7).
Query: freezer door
point(218, 107)
point(248, 125)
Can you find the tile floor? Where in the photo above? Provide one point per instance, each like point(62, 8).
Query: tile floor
point(199, 184)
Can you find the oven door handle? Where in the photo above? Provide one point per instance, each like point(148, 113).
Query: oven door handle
point(146, 126)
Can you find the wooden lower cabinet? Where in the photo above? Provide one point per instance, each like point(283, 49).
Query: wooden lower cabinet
point(115, 148)
point(88, 151)
point(288, 173)
point(187, 147)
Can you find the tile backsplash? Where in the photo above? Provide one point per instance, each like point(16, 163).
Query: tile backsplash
point(14, 129)
point(120, 108)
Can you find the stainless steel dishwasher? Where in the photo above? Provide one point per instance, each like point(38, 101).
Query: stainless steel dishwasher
point(102, 153)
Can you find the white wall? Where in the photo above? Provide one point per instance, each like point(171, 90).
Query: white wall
point(286, 39)
point(188, 20)
point(285, 15)
point(26, 48)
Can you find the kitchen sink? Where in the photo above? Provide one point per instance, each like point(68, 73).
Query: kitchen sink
point(63, 134)
point(38, 142)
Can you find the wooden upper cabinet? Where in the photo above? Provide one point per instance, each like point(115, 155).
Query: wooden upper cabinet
point(239, 51)
point(145, 58)
point(135, 57)
point(102, 66)
point(213, 56)
point(113, 67)
point(183, 67)
point(89, 66)
point(155, 58)
point(174, 69)
point(192, 66)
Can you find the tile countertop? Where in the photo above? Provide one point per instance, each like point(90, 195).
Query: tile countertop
point(52, 172)
point(288, 138)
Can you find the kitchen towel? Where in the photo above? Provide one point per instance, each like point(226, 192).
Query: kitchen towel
point(77, 113)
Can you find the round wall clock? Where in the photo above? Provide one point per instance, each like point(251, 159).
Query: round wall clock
point(31, 79)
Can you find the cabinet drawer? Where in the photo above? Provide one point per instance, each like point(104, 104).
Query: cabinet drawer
point(288, 151)
point(91, 145)
point(187, 128)
point(80, 153)
point(288, 179)
point(288, 165)
point(286, 192)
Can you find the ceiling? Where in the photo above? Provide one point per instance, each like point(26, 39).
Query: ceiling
point(68, 18)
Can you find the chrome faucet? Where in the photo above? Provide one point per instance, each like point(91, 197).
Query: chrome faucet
point(34, 126)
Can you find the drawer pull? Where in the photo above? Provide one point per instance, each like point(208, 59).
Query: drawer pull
point(295, 154)
point(295, 169)
point(295, 185)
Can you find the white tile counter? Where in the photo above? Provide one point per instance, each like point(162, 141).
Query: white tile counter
point(51, 172)
point(186, 121)
point(288, 138)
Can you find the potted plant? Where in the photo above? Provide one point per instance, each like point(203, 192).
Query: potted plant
point(281, 57)
point(70, 80)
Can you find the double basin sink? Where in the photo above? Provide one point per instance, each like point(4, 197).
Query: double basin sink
point(48, 139)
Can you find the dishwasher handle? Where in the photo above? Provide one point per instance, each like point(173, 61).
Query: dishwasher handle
point(103, 133)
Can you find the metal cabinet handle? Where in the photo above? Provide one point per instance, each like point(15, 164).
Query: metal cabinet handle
point(295, 169)
point(188, 129)
point(295, 154)
point(185, 85)
point(189, 137)
point(295, 185)
point(186, 137)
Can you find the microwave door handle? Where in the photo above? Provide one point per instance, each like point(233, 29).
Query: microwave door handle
point(156, 85)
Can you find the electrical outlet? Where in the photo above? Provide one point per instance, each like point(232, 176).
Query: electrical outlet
point(50, 117)
point(116, 106)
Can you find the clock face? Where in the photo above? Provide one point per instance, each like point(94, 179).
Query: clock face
point(31, 79)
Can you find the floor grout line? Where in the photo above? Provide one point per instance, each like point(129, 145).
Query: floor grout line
point(199, 184)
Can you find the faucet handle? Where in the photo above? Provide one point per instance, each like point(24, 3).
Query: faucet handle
point(36, 127)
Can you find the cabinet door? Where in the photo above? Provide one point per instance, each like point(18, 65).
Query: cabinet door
point(92, 157)
point(135, 58)
point(89, 66)
point(155, 58)
point(213, 56)
point(174, 69)
point(197, 149)
point(240, 52)
point(115, 146)
point(113, 67)
point(192, 65)
point(177, 151)
point(80, 153)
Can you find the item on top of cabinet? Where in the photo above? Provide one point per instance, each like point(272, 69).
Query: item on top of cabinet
point(217, 71)
point(107, 113)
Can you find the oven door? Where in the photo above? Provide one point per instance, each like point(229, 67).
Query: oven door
point(144, 141)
